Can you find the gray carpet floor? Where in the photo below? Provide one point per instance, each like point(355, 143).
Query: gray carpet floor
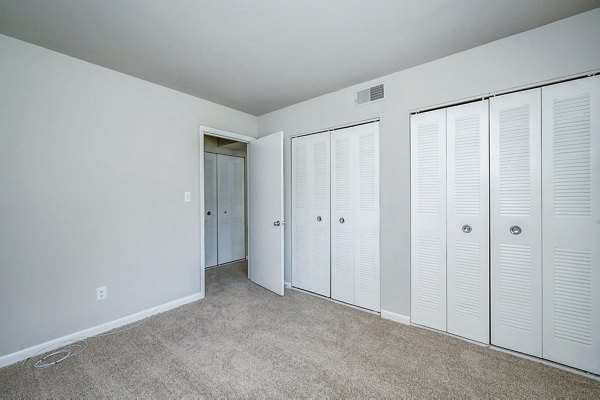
point(242, 341)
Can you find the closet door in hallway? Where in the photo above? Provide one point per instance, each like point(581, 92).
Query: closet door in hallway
point(231, 208)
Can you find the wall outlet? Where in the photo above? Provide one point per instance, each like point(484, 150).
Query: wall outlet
point(101, 293)
point(187, 197)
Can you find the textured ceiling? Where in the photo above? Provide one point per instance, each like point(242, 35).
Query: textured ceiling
point(261, 55)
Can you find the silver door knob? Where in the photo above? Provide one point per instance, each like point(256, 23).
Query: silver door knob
point(319, 218)
point(342, 220)
point(515, 230)
point(276, 223)
point(208, 213)
point(467, 228)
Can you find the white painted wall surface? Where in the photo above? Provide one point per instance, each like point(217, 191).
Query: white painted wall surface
point(563, 48)
point(93, 169)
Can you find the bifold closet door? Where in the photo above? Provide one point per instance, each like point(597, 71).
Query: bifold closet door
point(210, 209)
point(467, 221)
point(428, 219)
point(571, 223)
point(355, 215)
point(516, 229)
point(231, 213)
point(311, 213)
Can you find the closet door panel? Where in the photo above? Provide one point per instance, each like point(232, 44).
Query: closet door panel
point(571, 223)
point(210, 209)
point(225, 190)
point(311, 213)
point(320, 218)
point(428, 219)
point(467, 221)
point(301, 212)
point(343, 223)
point(367, 280)
point(516, 251)
point(355, 216)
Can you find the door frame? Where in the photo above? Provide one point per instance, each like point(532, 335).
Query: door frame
point(220, 133)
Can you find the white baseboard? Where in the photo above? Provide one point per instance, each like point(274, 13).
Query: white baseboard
point(107, 326)
point(403, 319)
point(287, 285)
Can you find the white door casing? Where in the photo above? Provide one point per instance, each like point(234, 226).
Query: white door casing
point(311, 269)
point(516, 224)
point(428, 219)
point(265, 205)
point(467, 221)
point(210, 209)
point(571, 223)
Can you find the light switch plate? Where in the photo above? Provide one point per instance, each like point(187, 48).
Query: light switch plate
point(187, 197)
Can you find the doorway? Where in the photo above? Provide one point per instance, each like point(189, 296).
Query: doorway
point(254, 200)
point(225, 201)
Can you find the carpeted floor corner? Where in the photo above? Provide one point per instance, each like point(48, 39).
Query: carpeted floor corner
point(243, 341)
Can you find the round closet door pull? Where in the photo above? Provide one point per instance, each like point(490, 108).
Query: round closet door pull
point(515, 230)
point(208, 213)
point(342, 220)
point(319, 218)
point(467, 228)
point(276, 223)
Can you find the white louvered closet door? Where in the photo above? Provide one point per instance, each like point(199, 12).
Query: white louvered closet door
point(467, 221)
point(231, 215)
point(311, 213)
point(225, 203)
point(571, 223)
point(355, 216)
point(428, 219)
point(516, 249)
point(210, 209)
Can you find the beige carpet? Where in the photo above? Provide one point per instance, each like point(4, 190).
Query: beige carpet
point(245, 342)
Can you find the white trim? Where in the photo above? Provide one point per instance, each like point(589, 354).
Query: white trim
point(513, 89)
point(392, 316)
point(337, 127)
point(207, 130)
point(107, 326)
point(287, 285)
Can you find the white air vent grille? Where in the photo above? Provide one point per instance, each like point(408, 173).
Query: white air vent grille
point(370, 94)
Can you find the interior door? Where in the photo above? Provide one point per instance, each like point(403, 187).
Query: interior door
point(210, 209)
point(468, 221)
point(310, 213)
point(571, 222)
point(428, 219)
point(265, 205)
point(516, 229)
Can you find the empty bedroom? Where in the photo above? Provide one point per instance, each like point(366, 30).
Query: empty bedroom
point(300, 199)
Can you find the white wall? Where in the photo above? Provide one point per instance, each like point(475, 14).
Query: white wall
point(93, 169)
point(560, 49)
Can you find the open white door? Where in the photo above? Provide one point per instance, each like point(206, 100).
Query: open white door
point(265, 206)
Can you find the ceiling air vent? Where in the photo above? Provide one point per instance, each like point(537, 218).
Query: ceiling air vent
point(370, 94)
